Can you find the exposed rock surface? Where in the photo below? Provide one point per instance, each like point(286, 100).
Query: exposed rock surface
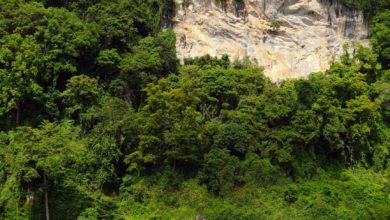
point(311, 34)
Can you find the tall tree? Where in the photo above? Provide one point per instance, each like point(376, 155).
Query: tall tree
point(20, 62)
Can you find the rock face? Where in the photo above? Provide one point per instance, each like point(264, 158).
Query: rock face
point(310, 36)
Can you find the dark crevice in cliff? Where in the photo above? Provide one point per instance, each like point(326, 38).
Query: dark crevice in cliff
point(239, 8)
point(168, 12)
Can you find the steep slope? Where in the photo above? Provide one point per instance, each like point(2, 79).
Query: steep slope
point(311, 32)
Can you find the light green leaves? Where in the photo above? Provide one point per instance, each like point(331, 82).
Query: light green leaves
point(19, 66)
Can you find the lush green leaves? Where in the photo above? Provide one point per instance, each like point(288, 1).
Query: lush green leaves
point(114, 128)
point(19, 70)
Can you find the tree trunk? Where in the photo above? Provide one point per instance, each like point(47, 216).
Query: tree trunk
point(18, 113)
point(46, 198)
point(373, 7)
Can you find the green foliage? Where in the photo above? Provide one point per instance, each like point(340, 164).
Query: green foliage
point(382, 90)
point(220, 171)
point(81, 93)
point(207, 60)
point(259, 171)
point(274, 24)
point(33, 154)
point(380, 30)
point(369, 7)
point(99, 121)
point(19, 69)
point(110, 132)
point(356, 193)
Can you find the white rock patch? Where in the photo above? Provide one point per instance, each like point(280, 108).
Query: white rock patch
point(311, 35)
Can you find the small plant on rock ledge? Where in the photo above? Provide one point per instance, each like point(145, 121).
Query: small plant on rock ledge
point(275, 25)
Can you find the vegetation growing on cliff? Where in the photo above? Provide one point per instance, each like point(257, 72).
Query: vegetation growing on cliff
point(98, 121)
point(369, 7)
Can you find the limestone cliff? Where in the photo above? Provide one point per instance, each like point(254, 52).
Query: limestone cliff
point(310, 36)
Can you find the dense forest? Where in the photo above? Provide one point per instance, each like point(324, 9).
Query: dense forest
point(99, 120)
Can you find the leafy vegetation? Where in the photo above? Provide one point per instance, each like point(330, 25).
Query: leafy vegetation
point(99, 121)
point(370, 8)
point(274, 24)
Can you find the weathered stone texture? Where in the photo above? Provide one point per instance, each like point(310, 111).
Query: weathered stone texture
point(311, 34)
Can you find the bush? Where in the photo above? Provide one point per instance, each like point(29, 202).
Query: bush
point(220, 171)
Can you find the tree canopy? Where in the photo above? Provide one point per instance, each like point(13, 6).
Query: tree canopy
point(100, 121)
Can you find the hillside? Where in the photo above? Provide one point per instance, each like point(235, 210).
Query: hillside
point(107, 113)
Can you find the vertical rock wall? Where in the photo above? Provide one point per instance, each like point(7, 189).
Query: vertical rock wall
point(310, 36)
